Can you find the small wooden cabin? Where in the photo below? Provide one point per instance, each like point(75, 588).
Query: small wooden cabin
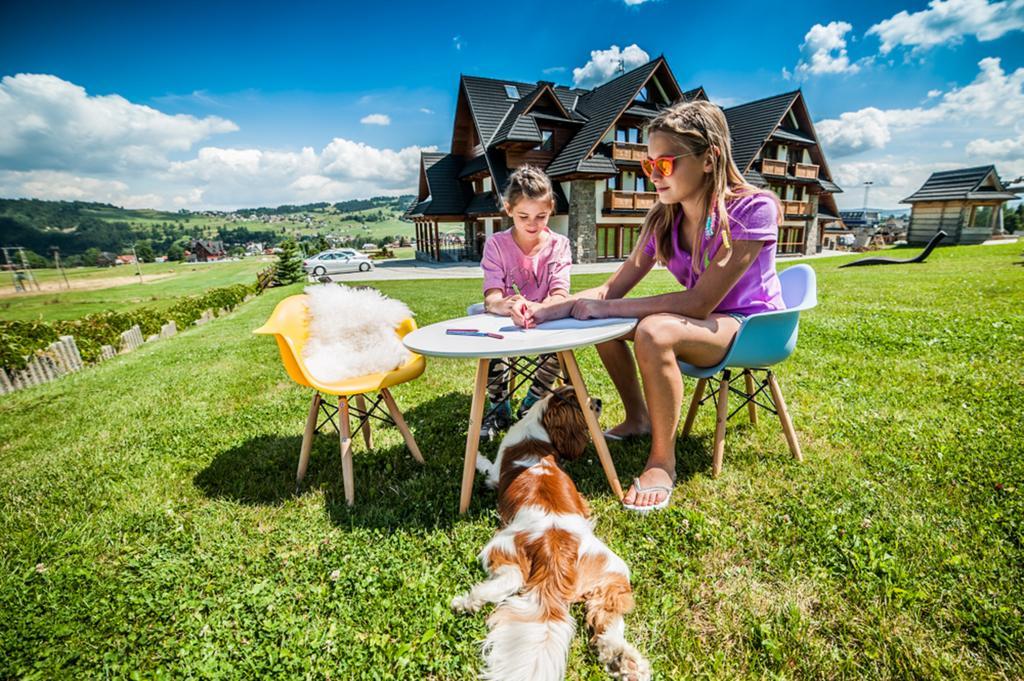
point(967, 204)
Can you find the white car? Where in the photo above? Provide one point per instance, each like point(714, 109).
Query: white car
point(337, 261)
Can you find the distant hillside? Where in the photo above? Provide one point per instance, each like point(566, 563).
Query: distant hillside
point(77, 226)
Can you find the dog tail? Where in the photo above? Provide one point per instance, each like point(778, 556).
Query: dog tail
point(530, 633)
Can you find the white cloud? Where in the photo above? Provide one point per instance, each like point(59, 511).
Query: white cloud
point(57, 185)
point(51, 124)
point(994, 99)
point(984, 149)
point(633, 3)
point(948, 21)
point(604, 65)
point(376, 119)
point(932, 94)
point(458, 42)
point(554, 69)
point(344, 169)
point(892, 180)
point(426, 110)
point(824, 51)
point(948, 144)
point(57, 142)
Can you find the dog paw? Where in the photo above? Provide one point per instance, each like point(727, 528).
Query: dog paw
point(629, 665)
point(464, 604)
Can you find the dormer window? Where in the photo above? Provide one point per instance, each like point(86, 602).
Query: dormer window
point(545, 144)
point(643, 95)
point(512, 92)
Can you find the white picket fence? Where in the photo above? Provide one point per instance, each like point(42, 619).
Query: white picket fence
point(62, 357)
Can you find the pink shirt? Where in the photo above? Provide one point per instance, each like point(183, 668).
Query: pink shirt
point(536, 276)
point(751, 218)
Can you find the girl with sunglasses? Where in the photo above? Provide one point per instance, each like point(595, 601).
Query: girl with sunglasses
point(716, 234)
point(524, 265)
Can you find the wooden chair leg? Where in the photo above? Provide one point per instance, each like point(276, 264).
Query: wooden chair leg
point(476, 413)
point(344, 433)
point(751, 407)
point(723, 416)
point(691, 413)
point(396, 416)
point(596, 434)
point(307, 440)
point(787, 423)
point(367, 437)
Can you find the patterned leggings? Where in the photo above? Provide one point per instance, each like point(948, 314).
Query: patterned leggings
point(499, 372)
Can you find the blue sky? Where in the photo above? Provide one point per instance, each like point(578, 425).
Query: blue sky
point(203, 105)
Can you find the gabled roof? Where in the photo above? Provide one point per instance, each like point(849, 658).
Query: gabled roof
point(517, 125)
point(750, 125)
point(446, 195)
point(602, 106)
point(694, 94)
point(962, 184)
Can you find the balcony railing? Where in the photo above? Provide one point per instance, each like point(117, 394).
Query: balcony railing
point(617, 200)
point(628, 151)
point(809, 170)
point(796, 207)
point(771, 166)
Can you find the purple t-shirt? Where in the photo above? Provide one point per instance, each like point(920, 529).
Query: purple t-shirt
point(751, 218)
point(504, 263)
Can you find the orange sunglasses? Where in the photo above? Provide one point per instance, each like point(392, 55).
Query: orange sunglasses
point(664, 164)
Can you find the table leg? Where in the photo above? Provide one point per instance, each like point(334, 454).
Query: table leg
point(476, 413)
point(576, 378)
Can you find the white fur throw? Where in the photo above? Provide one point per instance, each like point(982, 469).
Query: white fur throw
point(352, 332)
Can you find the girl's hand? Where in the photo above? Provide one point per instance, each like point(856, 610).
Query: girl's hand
point(505, 306)
point(523, 314)
point(588, 308)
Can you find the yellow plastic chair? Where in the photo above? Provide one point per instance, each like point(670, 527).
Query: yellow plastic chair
point(289, 325)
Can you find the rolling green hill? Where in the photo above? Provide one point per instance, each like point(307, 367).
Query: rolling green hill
point(76, 227)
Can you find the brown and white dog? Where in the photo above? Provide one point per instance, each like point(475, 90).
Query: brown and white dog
point(546, 557)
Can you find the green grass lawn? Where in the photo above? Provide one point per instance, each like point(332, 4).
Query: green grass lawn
point(148, 526)
point(178, 279)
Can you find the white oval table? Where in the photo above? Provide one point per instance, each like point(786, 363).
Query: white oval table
point(561, 336)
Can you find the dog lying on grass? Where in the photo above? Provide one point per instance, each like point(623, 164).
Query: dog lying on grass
point(546, 557)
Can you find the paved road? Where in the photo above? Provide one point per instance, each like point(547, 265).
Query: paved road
point(418, 269)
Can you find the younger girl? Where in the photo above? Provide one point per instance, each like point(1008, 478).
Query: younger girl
point(527, 263)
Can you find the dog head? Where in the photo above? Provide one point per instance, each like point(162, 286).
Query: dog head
point(564, 422)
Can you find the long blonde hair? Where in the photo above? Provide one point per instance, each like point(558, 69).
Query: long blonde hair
point(696, 127)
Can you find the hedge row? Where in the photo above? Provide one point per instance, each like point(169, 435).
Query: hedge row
point(19, 340)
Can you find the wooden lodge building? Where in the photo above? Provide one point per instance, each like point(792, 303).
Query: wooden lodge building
point(590, 142)
point(967, 204)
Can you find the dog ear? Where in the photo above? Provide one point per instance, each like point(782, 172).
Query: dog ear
point(564, 422)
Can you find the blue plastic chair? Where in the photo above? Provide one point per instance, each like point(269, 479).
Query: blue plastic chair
point(763, 340)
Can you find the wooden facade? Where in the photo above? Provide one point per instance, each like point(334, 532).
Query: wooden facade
point(967, 204)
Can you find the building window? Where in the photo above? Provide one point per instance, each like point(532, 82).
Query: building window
point(981, 217)
point(512, 92)
point(613, 182)
point(630, 135)
point(643, 95)
point(545, 144)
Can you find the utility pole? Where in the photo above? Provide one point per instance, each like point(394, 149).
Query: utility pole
point(56, 261)
point(138, 269)
point(867, 187)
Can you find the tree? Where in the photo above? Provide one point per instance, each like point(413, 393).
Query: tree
point(91, 257)
point(144, 251)
point(176, 252)
point(288, 268)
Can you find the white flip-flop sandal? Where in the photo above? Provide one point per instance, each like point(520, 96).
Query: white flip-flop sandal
point(653, 488)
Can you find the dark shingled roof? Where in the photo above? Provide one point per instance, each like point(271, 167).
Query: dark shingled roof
point(965, 183)
point(447, 194)
point(483, 203)
point(784, 135)
point(829, 186)
point(750, 125)
point(602, 106)
point(474, 166)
